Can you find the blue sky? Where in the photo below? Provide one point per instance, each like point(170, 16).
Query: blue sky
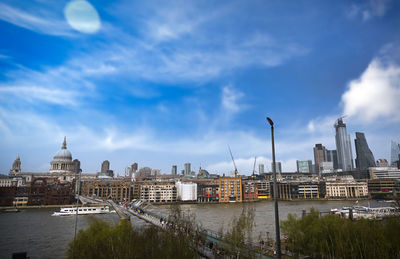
point(169, 82)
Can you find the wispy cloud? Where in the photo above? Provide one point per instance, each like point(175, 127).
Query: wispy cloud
point(43, 21)
point(245, 165)
point(33, 94)
point(368, 10)
point(230, 99)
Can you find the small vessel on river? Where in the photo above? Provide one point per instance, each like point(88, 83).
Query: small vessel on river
point(69, 211)
point(366, 212)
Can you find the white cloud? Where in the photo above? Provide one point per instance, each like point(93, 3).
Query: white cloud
point(91, 145)
point(321, 125)
point(375, 95)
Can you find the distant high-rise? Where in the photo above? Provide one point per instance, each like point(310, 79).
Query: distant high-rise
point(105, 166)
point(174, 170)
point(155, 172)
point(343, 146)
point(187, 169)
point(331, 156)
point(365, 158)
point(278, 167)
point(134, 167)
point(394, 152)
point(304, 166)
point(319, 156)
point(260, 168)
point(105, 169)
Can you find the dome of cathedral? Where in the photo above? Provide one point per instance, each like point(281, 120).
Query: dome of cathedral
point(63, 153)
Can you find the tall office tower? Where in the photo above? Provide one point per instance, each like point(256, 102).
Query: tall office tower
point(394, 152)
point(105, 166)
point(319, 156)
point(174, 170)
point(278, 167)
point(260, 169)
point(105, 169)
point(304, 166)
point(365, 158)
point(187, 169)
point(134, 167)
point(331, 156)
point(343, 146)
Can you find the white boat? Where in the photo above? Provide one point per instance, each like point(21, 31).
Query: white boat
point(365, 212)
point(69, 211)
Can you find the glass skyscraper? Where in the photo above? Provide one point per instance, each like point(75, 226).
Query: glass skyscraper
point(331, 156)
point(394, 152)
point(304, 166)
point(343, 147)
point(365, 158)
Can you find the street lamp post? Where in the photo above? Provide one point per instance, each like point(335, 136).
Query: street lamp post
point(277, 230)
point(77, 202)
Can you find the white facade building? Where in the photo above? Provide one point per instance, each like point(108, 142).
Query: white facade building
point(346, 188)
point(158, 192)
point(186, 191)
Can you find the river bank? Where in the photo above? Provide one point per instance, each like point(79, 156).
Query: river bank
point(34, 230)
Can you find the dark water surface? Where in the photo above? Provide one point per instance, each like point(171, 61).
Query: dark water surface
point(35, 231)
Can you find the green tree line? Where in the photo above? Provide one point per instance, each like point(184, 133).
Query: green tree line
point(330, 236)
point(103, 240)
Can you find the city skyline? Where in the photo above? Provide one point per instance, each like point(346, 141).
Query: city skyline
point(165, 84)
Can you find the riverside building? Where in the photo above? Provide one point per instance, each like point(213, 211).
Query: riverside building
point(207, 192)
point(345, 188)
point(158, 192)
point(230, 189)
point(294, 190)
point(117, 190)
point(250, 190)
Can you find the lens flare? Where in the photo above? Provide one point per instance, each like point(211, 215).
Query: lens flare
point(82, 16)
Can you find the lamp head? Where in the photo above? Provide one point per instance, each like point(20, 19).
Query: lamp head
point(270, 121)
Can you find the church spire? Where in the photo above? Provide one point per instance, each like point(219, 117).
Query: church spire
point(64, 146)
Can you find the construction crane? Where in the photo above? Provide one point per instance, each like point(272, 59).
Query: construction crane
point(339, 119)
point(233, 160)
point(254, 166)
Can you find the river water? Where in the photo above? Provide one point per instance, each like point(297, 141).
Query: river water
point(39, 234)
